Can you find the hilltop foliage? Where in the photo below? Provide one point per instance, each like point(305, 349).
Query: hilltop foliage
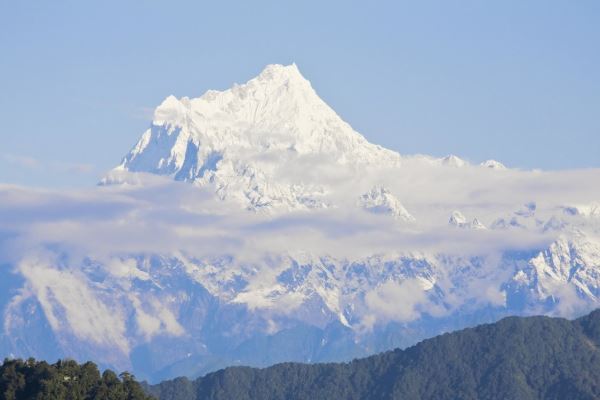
point(65, 380)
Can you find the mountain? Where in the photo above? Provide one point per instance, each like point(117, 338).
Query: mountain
point(241, 140)
point(515, 358)
point(254, 226)
point(379, 200)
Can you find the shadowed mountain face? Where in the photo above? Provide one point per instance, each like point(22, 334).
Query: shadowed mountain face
point(515, 358)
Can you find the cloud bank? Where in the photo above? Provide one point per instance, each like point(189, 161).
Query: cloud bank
point(86, 255)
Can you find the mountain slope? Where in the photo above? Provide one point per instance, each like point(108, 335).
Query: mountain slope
point(515, 358)
point(254, 226)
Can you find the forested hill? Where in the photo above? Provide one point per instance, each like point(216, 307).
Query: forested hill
point(65, 380)
point(515, 358)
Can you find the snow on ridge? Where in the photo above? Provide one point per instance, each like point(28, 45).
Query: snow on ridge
point(493, 164)
point(379, 200)
point(266, 144)
point(453, 161)
point(589, 210)
point(458, 220)
point(278, 109)
point(242, 139)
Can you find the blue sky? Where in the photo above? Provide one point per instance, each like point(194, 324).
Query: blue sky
point(512, 80)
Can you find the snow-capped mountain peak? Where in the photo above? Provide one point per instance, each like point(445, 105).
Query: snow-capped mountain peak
point(584, 210)
point(238, 140)
point(458, 220)
point(171, 110)
point(493, 164)
point(453, 161)
point(379, 200)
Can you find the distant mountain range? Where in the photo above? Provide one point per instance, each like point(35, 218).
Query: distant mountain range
point(515, 358)
point(254, 226)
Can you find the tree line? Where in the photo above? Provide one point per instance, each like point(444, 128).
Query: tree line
point(515, 358)
point(65, 380)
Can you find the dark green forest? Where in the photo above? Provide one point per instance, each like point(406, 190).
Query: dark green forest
point(65, 380)
point(515, 358)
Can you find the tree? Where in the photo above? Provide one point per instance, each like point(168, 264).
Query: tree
point(65, 380)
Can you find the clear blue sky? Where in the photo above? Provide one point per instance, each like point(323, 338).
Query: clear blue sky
point(518, 81)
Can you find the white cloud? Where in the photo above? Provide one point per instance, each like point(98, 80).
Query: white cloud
point(112, 225)
point(396, 301)
point(21, 161)
point(32, 163)
point(153, 318)
point(71, 305)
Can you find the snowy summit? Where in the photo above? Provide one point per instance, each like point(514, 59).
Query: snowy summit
point(238, 140)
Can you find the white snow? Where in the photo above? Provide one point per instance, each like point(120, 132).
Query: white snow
point(493, 164)
point(237, 140)
point(379, 200)
point(590, 210)
point(453, 161)
point(458, 220)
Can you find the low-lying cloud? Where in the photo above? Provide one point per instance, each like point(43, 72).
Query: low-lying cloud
point(111, 225)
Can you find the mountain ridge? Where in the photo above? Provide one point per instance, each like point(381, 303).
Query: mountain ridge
point(238, 140)
point(514, 358)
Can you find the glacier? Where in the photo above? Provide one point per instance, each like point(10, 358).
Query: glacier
point(254, 226)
